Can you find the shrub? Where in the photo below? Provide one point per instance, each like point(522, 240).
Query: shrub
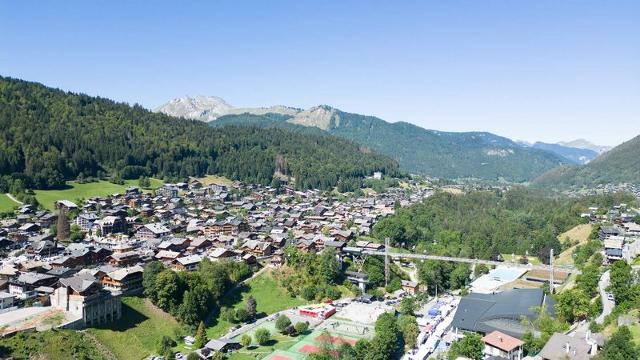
point(282, 323)
point(262, 336)
point(301, 327)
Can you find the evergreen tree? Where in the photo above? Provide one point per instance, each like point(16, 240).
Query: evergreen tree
point(252, 306)
point(201, 337)
point(620, 346)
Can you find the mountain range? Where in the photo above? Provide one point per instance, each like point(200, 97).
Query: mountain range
point(573, 154)
point(436, 153)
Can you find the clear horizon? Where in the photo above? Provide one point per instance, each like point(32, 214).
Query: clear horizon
point(537, 71)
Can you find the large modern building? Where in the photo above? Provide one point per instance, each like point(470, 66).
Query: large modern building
point(485, 313)
point(83, 297)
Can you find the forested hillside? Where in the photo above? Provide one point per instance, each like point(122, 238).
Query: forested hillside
point(481, 224)
point(49, 136)
point(619, 165)
point(441, 154)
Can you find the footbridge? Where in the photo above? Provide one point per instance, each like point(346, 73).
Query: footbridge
point(413, 256)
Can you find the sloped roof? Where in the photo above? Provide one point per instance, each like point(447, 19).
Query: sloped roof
point(556, 348)
point(502, 341)
point(503, 311)
point(79, 282)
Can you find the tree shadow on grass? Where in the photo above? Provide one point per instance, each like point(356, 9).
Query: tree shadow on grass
point(130, 319)
point(271, 342)
point(233, 297)
point(230, 299)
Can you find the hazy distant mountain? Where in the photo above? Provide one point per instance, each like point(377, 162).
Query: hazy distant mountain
point(418, 150)
point(573, 154)
point(209, 108)
point(584, 144)
point(618, 165)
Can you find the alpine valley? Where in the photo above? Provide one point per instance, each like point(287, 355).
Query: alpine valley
point(454, 155)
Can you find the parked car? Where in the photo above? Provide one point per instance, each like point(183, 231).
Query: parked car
point(610, 297)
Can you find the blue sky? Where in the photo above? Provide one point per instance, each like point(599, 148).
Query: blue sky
point(533, 70)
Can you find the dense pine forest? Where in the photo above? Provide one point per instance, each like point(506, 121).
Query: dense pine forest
point(50, 136)
point(483, 224)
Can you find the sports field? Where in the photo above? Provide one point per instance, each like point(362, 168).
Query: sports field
point(312, 343)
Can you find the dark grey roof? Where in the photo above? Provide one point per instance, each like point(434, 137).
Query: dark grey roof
point(502, 311)
point(79, 282)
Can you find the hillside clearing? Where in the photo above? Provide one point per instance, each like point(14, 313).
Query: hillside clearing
point(270, 298)
point(214, 179)
point(76, 191)
point(580, 234)
point(6, 204)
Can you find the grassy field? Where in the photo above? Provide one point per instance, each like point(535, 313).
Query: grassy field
point(51, 345)
point(270, 298)
point(137, 334)
point(214, 179)
point(579, 234)
point(7, 204)
point(76, 191)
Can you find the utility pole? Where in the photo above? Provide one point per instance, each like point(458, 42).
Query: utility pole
point(551, 271)
point(386, 262)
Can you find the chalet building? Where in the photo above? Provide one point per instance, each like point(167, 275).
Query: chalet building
point(66, 204)
point(168, 191)
point(213, 229)
point(111, 225)
point(85, 221)
point(502, 346)
point(187, 263)
point(306, 245)
point(23, 287)
point(125, 280)
point(124, 259)
point(235, 227)
point(257, 248)
point(410, 287)
point(152, 231)
point(174, 244)
point(221, 253)
point(167, 256)
point(344, 236)
point(606, 231)
point(199, 244)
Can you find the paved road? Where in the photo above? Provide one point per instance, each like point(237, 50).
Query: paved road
point(607, 305)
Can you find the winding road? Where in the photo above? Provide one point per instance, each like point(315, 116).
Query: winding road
point(607, 305)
